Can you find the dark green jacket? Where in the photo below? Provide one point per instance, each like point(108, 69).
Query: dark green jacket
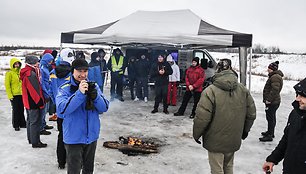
point(226, 110)
point(273, 87)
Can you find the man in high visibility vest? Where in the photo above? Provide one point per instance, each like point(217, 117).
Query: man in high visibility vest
point(117, 64)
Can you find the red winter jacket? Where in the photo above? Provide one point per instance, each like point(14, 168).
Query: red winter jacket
point(195, 76)
point(32, 95)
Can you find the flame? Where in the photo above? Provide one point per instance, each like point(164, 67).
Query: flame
point(134, 141)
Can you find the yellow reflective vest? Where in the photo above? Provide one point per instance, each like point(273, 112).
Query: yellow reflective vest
point(117, 67)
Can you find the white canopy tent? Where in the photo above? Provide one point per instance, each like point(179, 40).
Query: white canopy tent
point(178, 29)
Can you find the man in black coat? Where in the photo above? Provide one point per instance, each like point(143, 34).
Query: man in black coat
point(160, 73)
point(292, 146)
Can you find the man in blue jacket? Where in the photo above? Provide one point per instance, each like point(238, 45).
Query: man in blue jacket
point(81, 125)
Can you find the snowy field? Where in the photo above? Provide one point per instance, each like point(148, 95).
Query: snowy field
point(178, 152)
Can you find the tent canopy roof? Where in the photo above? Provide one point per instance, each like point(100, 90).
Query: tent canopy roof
point(172, 29)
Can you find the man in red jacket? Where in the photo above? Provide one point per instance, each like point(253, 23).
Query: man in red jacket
point(33, 99)
point(195, 76)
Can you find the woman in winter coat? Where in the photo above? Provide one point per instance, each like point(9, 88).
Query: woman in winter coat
point(272, 99)
point(174, 79)
point(14, 94)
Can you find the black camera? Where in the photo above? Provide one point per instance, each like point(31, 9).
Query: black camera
point(91, 95)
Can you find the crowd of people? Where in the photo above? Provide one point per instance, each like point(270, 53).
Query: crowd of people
point(71, 90)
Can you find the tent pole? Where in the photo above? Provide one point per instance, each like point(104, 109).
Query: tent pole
point(243, 64)
point(250, 68)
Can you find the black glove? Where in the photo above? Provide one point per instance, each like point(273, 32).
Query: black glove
point(244, 135)
point(92, 94)
point(197, 140)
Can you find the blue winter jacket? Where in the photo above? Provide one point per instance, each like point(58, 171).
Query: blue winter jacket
point(45, 73)
point(80, 126)
point(94, 74)
point(58, 76)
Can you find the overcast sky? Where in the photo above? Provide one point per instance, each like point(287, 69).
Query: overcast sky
point(39, 22)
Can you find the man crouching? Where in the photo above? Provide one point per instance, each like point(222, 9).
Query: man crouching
point(81, 125)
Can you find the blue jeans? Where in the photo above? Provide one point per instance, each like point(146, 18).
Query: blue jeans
point(43, 113)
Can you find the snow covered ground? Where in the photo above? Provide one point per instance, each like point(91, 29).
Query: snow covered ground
point(178, 153)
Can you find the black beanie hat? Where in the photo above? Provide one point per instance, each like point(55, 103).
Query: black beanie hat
point(300, 88)
point(196, 59)
point(94, 55)
point(79, 64)
point(274, 66)
point(223, 64)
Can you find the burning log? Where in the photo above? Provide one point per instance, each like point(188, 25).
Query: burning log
point(132, 146)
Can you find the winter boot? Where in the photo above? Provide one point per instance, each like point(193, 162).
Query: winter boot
point(178, 114)
point(266, 133)
point(267, 138)
point(154, 111)
point(53, 117)
point(166, 111)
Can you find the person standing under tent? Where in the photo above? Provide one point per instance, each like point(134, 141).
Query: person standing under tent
point(13, 90)
point(131, 69)
point(174, 79)
point(195, 76)
point(101, 54)
point(117, 64)
point(272, 99)
point(33, 100)
point(142, 72)
point(160, 72)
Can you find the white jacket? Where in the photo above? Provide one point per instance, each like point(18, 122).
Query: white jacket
point(175, 76)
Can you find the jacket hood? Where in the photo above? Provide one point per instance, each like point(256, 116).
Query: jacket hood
point(279, 72)
point(62, 71)
point(26, 71)
point(46, 58)
point(226, 80)
point(13, 61)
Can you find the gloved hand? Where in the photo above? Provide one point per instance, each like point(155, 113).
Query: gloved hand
point(244, 135)
point(197, 140)
point(92, 94)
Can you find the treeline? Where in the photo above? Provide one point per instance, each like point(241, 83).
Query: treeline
point(13, 47)
point(256, 49)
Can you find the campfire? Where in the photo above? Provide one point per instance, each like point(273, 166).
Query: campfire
point(132, 146)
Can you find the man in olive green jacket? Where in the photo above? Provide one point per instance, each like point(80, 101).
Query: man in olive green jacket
point(272, 99)
point(13, 91)
point(224, 116)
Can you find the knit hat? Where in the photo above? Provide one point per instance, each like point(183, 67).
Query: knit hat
point(79, 64)
point(223, 64)
point(196, 59)
point(47, 51)
point(32, 60)
point(94, 55)
point(169, 58)
point(274, 66)
point(300, 88)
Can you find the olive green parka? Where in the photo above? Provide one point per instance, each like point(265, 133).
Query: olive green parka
point(226, 110)
point(273, 87)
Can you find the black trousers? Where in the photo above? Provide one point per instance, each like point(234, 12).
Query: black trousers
point(142, 87)
point(132, 82)
point(271, 117)
point(161, 96)
point(81, 156)
point(52, 108)
point(60, 149)
point(186, 98)
point(18, 119)
point(116, 85)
